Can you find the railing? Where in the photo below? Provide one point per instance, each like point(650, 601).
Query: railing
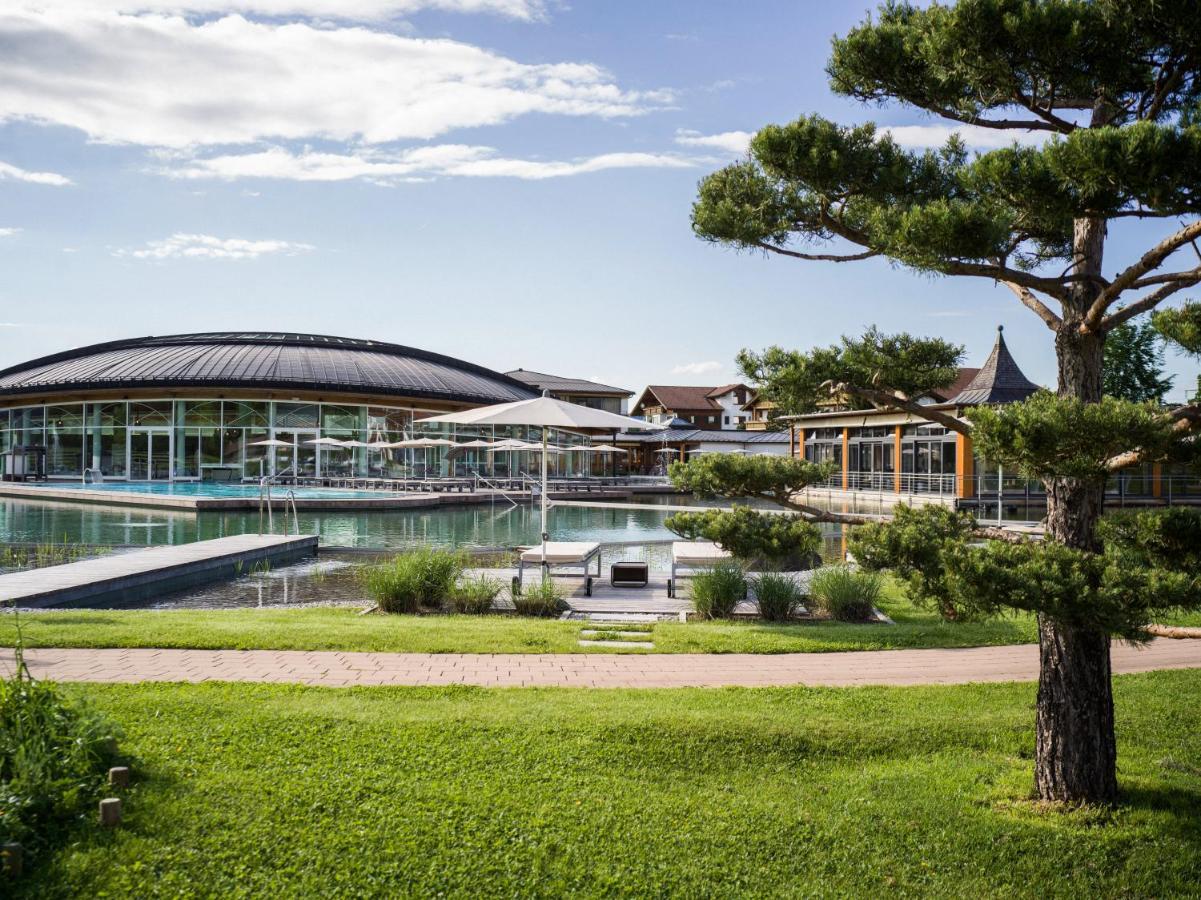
point(290, 500)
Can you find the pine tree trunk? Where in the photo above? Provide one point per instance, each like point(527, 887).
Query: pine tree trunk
point(1075, 753)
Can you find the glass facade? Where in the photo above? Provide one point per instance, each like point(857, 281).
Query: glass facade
point(152, 440)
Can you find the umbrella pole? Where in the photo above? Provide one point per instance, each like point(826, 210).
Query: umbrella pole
point(544, 482)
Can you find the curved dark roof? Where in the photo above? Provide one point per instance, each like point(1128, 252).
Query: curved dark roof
point(267, 360)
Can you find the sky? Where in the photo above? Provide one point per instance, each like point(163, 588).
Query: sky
point(504, 181)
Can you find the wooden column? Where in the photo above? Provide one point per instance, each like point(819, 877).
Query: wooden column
point(800, 443)
point(896, 462)
point(1157, 480)
point(846, 457)
point(965, 485)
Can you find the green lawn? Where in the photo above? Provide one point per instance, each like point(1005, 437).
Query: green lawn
point(256, 790)
point(327, 628)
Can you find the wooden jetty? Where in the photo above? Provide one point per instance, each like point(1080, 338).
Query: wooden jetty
point(155, 570)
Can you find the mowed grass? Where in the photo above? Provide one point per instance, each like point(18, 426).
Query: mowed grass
point(257, 790)
point(326, 628)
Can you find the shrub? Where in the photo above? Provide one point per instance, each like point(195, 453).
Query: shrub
point(423, 577)
point(846, 594)
point(757, 538)
point(717, 591)
point(778, 595)
point(53, 757)
point(473, 596)
point(540, 598)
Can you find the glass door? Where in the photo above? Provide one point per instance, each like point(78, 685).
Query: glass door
point(149, 454)
point(298, 458)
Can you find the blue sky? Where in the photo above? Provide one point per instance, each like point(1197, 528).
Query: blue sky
point(507, 181)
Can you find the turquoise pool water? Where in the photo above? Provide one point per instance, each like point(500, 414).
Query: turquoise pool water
point(205, 489)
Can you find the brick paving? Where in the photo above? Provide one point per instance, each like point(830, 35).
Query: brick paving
point(598, 670)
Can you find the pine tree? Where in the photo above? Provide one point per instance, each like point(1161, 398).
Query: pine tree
point(1132, 367)
point(1113, 85)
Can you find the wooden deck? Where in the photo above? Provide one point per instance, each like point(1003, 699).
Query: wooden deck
point(154, 570)
point(607, 600)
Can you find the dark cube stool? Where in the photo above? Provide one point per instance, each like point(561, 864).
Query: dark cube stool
point(629, 574)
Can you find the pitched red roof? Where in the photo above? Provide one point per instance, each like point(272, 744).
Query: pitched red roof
point(962, 380)
point(677, 397)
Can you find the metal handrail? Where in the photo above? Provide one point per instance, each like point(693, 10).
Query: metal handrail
point(265, 495)
point(290, 498)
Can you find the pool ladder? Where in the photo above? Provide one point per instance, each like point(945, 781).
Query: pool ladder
point(265, 502)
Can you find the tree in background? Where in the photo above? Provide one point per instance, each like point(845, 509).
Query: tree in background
point(1113, 85)
point(1132, 368)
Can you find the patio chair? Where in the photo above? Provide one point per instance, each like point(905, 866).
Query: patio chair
point(689, 556)
point(562, 555)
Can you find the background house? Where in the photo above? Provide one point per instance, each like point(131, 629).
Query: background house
point(711, 408)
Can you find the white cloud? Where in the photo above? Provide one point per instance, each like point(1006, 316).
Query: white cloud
point(9, 232)
point(415, 164)
point(205, 246)
point(354, 10)
point(708, 367)
point(9, 171)
point(733, 142)
point(166, 81)
point(919, 137)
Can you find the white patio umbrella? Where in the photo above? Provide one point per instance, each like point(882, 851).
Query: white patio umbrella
point(331, 442)
point(270, 442)
point(544, 412)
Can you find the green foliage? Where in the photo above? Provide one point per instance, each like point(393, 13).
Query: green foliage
point(891, 362)
point(846, 594)
point(473, 596)
point(731, 475)
point(542, 599)
point(778, 596)
point(422, 578)
point(716, 592)
point(1161, 538)
point(775, 539)
point(1149, 565)
point(1181, 326)
point(1133, 365)
point(912, 545)
point(53, 757)
point(1048, 436)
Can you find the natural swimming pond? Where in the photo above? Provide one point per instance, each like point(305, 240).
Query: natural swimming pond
point(206, 489)
point(632, 534)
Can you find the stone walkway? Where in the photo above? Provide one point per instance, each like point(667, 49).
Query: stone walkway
point(333, 669)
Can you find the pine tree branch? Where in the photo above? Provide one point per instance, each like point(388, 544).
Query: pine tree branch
point(1149, 302)
point(1186, 419)
point(1031, 302)
point(1148, 262)
point(818, 257)
point(885, 400)
point(1000, 124)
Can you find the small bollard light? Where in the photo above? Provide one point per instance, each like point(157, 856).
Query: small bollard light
point(683, 617)
point(118, 776)
point(110, 812)
point(12, 856)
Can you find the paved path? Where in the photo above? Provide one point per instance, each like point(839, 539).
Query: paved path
point(897, 667)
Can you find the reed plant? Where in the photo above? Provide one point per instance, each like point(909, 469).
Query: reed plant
point(416, 580)
point(474, 596)
point(542, 598)
point(846, 594)
point(778, 596)
point(716, 592)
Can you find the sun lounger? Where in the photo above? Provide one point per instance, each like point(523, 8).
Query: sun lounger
point(563, 555)
point(690, 556)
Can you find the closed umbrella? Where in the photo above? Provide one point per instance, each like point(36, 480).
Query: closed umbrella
point(544, 412)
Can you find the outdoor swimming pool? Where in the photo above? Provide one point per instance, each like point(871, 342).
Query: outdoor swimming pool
point(206, 489)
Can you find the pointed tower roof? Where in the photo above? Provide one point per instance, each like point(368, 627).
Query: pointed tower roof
point(999, 379)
